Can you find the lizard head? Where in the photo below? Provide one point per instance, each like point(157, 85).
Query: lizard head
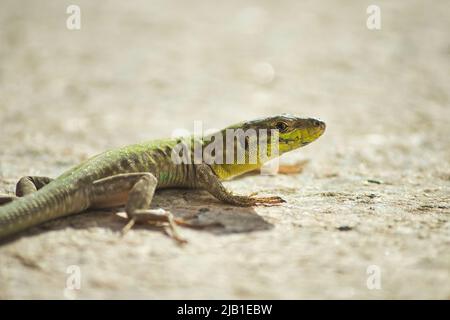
point(293, 132)
point(255, 139)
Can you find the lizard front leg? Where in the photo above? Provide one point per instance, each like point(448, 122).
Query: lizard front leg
point(136, 190)
point(209, 181)
point(24, 186)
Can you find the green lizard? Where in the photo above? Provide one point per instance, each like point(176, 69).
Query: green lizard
point(130, 176)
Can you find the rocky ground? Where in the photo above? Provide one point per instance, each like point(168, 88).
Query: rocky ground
point(370, 208)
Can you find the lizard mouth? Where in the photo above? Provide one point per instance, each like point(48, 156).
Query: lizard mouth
point(315, 131)
point(304, 136)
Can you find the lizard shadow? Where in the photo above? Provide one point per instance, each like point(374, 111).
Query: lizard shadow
point(210, 215)
point(201, 210)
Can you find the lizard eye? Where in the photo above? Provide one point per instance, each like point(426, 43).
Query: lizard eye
point(281, 126)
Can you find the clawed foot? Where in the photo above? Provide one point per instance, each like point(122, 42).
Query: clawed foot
point(156, 217)
point(165, 219)
point(268, 201)
point(248, 201)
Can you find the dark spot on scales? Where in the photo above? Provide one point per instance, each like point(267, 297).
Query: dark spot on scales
point(124, 163)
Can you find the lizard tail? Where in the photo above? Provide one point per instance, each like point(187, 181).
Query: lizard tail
point(43, 205)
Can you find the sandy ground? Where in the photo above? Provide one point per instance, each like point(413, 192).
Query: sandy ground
point(374, 196)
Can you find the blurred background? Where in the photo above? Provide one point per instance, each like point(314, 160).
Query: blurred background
point(375, 190)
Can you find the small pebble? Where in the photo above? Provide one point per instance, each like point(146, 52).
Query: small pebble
point(344, 228)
